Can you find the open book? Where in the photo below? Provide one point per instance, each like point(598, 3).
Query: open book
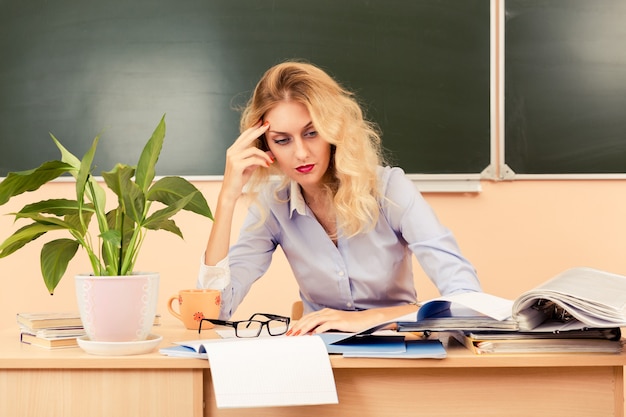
point(463, 311)
point(577, 298)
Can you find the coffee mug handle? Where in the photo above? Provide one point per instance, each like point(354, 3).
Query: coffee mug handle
point(171, 309)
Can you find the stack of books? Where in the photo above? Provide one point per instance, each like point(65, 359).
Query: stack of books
point(579, 310)
point(573, 341)
point(50, 330)
point(54, 329)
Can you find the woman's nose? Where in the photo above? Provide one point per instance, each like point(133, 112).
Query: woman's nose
point(301, 151)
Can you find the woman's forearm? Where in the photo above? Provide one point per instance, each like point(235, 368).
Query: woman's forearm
point(219, 238)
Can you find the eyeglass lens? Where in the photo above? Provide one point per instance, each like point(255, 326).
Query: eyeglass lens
point(252, 328)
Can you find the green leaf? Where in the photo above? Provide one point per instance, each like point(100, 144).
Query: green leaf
point(66, 156)
point(134, 203)
point(45, 220)
point(55, 256)
point(85, 170)
point(119, 178)
point(149, 157)
point(96, 194)
point(113, 217)
point(165, 224)
point(19, 182)
point(169, 190)
point(132, 199)
point(113, 237)
point(118, 236)
point(157, 220)
point(74, 221)
point(23, 236)
point(58, 207)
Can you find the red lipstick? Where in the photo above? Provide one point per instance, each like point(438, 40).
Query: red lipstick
point(305, 169)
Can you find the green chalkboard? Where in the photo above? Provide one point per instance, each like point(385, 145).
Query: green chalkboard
point(81, 68)
point(565, 86)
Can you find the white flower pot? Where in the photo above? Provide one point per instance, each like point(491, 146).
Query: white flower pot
point(117, 308)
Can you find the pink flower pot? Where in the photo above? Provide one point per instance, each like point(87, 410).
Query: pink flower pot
point(117, 308)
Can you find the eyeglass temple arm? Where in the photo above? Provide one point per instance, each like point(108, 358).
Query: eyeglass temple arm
point(220, 322)
point(216, 321)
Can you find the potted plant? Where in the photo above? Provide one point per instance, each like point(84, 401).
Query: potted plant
point(121, 232)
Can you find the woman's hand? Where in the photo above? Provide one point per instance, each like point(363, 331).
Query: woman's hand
point(346, 321)
point(242, 158)
point(329, 319)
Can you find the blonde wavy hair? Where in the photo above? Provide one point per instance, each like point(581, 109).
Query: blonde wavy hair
point(356, 151)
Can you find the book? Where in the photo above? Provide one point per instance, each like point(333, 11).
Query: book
point(343, 343)
point(182, 351)
point(56, 332)
point(467, 311)
point(45, 320)
point(53, 329)
point(600, 341)
point(350, 345)
point(56, 320)
point(593, 333)
point(48, 342)
point(576, 298)
point(414, 349)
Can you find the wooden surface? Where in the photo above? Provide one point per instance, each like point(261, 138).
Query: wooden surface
point(70, 382)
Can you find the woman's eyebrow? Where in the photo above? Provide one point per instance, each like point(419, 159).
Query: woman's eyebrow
point(276, 132)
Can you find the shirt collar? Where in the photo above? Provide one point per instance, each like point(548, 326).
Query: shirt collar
point(296, 199)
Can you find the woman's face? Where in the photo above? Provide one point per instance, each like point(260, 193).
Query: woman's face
point(299, 151)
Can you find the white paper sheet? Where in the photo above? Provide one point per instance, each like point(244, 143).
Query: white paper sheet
point(490, 305)
point(271, 371)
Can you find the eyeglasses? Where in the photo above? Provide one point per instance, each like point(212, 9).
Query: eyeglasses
point(276, 325)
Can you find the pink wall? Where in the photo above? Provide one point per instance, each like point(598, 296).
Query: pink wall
point(518, 234)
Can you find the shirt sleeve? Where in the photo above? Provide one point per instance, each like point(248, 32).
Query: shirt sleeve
point(433, 245)
point(248, 259)
point(214, 277)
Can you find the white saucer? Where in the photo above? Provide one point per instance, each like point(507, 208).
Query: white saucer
point(119, 348)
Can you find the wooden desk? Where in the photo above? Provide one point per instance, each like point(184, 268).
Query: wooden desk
point(70, 382)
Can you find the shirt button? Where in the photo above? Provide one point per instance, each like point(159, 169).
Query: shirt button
point(341, 273)
point(349, 305)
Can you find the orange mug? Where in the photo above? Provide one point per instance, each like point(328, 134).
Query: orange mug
point(195, 305)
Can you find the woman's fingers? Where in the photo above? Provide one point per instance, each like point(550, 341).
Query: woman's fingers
point(248, 136)
point(322, 321)
point(242, 158)
point(243, 147)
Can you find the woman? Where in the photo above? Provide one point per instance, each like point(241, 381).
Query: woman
point(347, 225)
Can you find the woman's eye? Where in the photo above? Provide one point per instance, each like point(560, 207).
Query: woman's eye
point(310, 134)
point(281, 141)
